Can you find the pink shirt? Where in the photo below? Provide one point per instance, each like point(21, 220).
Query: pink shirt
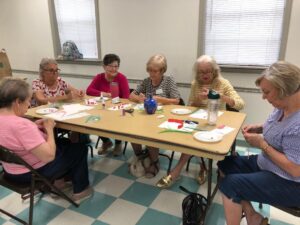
point(100, 83)
point(21, 136)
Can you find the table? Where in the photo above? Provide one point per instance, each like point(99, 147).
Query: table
point(142, 128)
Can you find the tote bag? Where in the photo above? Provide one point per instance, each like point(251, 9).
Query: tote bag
point(5, 69)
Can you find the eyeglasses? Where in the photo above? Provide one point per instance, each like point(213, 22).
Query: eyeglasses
point(52, 70)
point(113, 66)
point(205, 72)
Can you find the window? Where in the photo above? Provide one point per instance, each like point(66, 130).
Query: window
point(76, 20)
point(248, 33)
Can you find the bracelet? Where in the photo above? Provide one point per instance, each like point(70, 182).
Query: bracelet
point(266, 148)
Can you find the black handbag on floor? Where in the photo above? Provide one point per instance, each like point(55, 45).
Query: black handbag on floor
point(193, 208)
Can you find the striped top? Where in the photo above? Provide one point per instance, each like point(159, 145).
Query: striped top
point(284, 136)
point(167, 88)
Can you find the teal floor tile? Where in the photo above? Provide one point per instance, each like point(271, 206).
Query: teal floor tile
point(2, 221)
point(98, 203)
point(95, 177)
point(43, 212)
point(4, 192)
point(152, 216)
point(123, 171)
point(211, 218)
point(277, 222)
point(97, 222)
point(189, 183)
point(140, 193)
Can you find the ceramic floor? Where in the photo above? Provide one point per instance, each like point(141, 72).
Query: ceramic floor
point(121, 199)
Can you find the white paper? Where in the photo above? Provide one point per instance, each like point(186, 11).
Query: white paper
point(202, 114)
point(60, 115)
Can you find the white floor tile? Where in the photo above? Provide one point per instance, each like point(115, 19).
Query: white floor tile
point(122, 212)
point(106, 165)
point(71, 217)
point(113, 185)
point(168, 202)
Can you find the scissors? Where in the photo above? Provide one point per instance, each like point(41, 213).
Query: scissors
point(92, 119)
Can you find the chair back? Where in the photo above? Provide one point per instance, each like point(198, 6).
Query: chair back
point(8, 156)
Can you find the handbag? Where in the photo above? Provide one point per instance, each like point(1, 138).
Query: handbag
point(193, 208)
point(5, 69)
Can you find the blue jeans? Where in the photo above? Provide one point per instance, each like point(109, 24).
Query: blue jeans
point(70, 160)
point(244, 180)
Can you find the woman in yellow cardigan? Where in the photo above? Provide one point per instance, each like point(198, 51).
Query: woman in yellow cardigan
point(207, 76)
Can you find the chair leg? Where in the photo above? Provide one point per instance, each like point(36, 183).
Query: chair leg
point(170, 162)
point(188, 164)
point(96, 146)
point(125, 146)
point(91, 148)
point(32, 187)
point(260, 205)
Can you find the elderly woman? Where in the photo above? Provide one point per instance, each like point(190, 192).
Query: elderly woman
point(101, 84)
point(34, 142)
point(50, 87)
point(207, 76)
point(164, 90)
point(273, 176)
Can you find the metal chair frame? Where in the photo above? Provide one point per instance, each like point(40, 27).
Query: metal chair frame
point(38, 183)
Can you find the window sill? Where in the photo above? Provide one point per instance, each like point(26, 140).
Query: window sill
point(242, 69)
point(80, 61)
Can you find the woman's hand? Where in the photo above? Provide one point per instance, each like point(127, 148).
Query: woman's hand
point(253, 128)
point(141, 97)
point(48, 124)
point(254, 139)
point(203, 93)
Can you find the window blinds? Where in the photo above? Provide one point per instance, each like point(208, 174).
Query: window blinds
point(76, 21)
point(244, 32)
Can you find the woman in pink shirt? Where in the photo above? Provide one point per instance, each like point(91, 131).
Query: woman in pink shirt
point(34, 142)
point(102, 84)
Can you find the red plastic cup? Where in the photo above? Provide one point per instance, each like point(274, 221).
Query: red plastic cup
point(114, 89)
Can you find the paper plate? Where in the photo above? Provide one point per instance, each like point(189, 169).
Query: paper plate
point(181, 111)
point(205, 136)
point(44, 111)
point(98, 99)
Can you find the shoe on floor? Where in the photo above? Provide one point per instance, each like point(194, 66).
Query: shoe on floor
point(117, 150)
point(105, 146)
point(202, 176)
point(85, 194)
point(165, 182)
point(65, 187)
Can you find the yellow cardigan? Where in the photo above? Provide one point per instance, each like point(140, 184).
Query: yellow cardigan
point(223, 87)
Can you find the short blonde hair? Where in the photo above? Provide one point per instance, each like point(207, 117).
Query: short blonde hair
point(216, 71)
point(45, 62)
point(157, 60)
point(284, 76)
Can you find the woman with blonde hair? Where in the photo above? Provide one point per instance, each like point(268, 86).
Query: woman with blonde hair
point(273, 176)
point(207, 76)
point(164, 90)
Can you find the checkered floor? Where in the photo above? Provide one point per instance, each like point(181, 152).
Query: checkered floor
point(121, 199)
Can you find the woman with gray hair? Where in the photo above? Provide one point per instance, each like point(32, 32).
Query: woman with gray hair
point(273, 176)
point(35, 143)
point(50, 87)
point(207, 76)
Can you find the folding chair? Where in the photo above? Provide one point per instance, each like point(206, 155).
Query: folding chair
point(28, 190)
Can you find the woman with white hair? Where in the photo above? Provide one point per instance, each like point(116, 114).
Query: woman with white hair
point(50, 87)
point(207, 76)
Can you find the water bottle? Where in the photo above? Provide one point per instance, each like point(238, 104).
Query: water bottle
point(212, 107)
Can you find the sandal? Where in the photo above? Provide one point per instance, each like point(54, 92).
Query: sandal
point(202, 176)
point(152, 170)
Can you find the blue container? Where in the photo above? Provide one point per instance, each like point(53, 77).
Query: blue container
point(150, 105)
